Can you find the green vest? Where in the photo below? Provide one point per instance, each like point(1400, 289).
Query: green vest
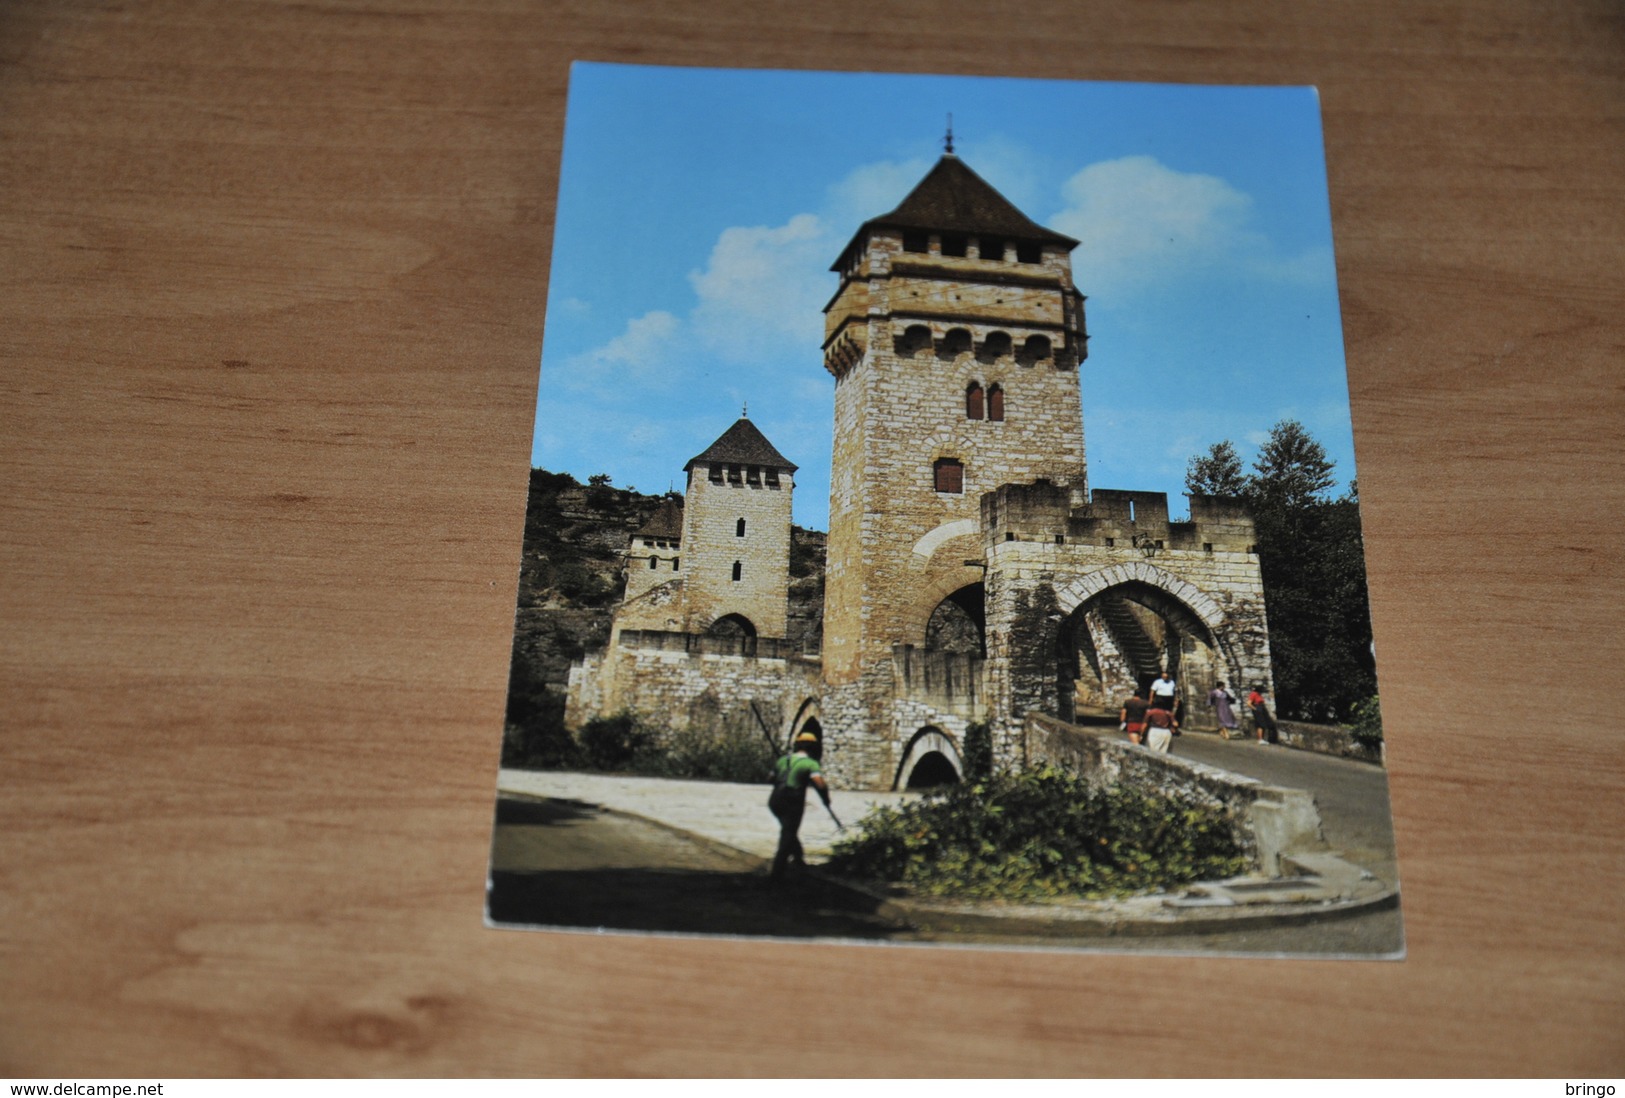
point(795, 770)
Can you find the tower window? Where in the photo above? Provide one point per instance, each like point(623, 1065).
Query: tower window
point(955, 244)
point(653, 564)
point(716, 474)
point(772, 478)
point(739, 570)
point(753, 475)
point(733, 474)
point(916, 242)
point(1035, 349)
point(916, 338)
point(995, 403)
point(973, 401)
point(676, 563)
point(1029, 251)
point(950, 475)
point(991, 247)
point(739, 530)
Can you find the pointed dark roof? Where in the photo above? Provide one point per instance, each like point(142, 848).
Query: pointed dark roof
point(955, 199)
point(745, 445)
point(666, 522)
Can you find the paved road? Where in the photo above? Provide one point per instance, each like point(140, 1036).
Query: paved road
point(567, 864)
point(1352, 796)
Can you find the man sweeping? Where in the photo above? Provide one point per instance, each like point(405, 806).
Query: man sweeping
point(794, 773)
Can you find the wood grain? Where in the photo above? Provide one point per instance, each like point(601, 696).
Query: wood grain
point(272, 303)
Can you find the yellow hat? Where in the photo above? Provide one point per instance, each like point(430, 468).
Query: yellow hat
point(806, 737)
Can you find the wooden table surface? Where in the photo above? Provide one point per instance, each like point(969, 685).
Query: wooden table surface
point(272, 301)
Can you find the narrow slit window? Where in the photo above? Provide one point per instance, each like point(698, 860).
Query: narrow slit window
point(739, 570)
point(739, 528)
point(995, 404)
point(973, 401)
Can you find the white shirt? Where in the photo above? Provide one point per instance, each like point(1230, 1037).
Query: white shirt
point(1163, 688)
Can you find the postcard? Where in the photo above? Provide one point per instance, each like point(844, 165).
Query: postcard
point(943, 525)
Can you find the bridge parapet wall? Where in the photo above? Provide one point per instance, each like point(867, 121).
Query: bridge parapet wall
point(1269, 822)
point(1054, 513)
point(948, 681)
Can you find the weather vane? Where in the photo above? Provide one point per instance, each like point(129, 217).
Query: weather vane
point(948, 142)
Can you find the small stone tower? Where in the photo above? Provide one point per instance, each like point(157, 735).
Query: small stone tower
point(736, 535)
point(655, 556)
point(954, 339)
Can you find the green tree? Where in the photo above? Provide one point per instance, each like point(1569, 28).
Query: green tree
point(1216, 473)
point(1292, 469)
point(1313, 564)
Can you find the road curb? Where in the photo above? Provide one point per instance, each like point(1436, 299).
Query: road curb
point(1134, 916)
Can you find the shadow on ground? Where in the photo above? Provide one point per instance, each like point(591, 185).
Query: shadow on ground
point(567, 864)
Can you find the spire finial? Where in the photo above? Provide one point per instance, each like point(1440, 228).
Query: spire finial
point(948, 142)
point(744, 410)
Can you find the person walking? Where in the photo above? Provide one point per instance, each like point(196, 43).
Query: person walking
point(792, 775)
point(1222, 701)
point(1262, 721)
point(1132, 717)
point(1161, 726)
point(1163, 691)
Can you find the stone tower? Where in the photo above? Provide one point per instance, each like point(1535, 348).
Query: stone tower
point(954, 339)
point(655, 556)
point(736, 535)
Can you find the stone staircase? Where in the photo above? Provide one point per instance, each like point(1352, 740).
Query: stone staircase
point(1137, 648)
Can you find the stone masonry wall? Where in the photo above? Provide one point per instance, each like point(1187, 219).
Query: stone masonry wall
point(712, 544)
point(682, 689)
point(1266, 821)
point(1033, 586)
point(666, 553)
point(895, 542)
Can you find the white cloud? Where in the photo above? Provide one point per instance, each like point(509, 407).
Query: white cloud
point(763, 283)
point(636, 356)
point(870, 191)
point(1141, 221)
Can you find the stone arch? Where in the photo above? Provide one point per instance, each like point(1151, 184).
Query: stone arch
point(931, 542)
point(930, 747)
point(731, 625)
point(953, 620)
point(809, 713)
point(996, 344)
point(931, 593)
point(1035, 349)
point(913, 339)
point(1070, 596)
point(955, 342)
point(1187, 615)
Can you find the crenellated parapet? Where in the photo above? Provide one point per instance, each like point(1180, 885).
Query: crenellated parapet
point(1056, 513)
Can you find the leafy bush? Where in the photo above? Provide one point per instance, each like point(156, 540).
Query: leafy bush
point(1040, 834)
point(614, 743)
point(578, 582)
point(1365, 723)
point(719, 756)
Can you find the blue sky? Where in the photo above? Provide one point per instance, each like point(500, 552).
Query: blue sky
point(700, 209)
